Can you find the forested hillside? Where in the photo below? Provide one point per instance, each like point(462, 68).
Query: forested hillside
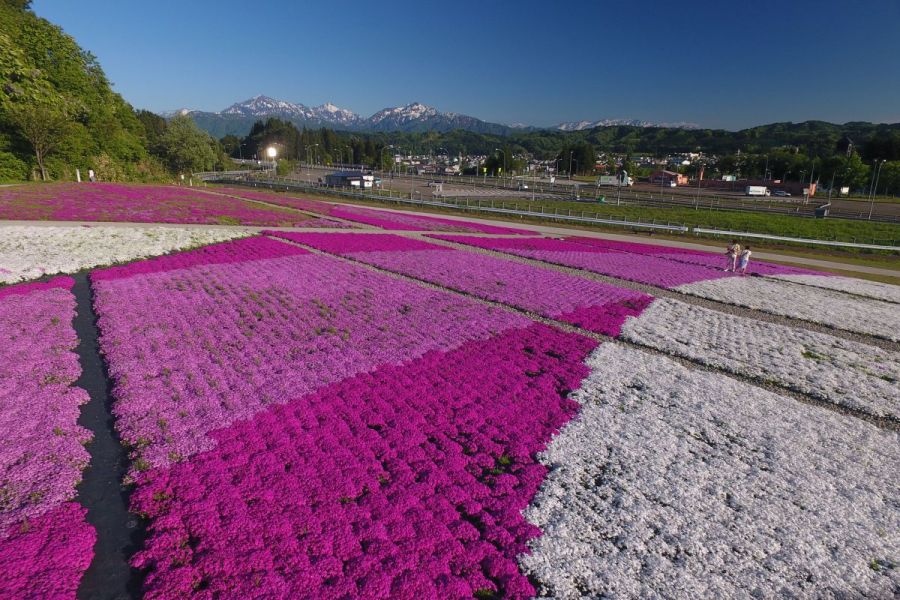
point(58, 111)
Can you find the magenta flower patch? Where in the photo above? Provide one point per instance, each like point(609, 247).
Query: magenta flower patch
point(198, 340)
point(42, 449)
point(694, 257)
point(646, 269)
point(139, 204)
point(590, 304)
point(238, 251)
point(406, 482)
point(352, 243)
point(45, 543)
point(378, 218)
point(45, 557)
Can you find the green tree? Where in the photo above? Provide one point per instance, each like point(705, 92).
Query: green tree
point(853, 172)
point(186, 147)
point(44, 127)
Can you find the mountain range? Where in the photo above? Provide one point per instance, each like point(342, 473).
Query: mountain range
point(238, 118)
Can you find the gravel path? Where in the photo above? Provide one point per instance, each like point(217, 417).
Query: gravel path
point(842, 372)
point(674, 483)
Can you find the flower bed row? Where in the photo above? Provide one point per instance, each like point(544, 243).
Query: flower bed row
point(45, 542)
point(28, 252)
point(851, 285)
point(138, 204)
point(846, 373)
point(646, 269)
point(589, 304)
point(818, 305)
point(694, 257)
point(377, 218)
point(677, 483)
point(859, 287)
point(198, 340)
point(406, 482)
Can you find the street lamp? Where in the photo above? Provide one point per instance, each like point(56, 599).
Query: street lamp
point(504, 163)
point(571, 152)
point(383, 148)
point(271, 152)
point(308, 161)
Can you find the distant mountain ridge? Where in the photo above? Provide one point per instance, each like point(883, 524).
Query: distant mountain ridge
point(413, 117)
point(582, 125)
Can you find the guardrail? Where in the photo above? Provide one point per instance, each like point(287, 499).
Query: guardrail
point(744, 234)
point(252, 161)
point(216, 175)
point(286, 184)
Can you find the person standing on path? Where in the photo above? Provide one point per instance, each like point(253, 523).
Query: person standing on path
point(734, 249)
point(91, 176)
point(745, 260)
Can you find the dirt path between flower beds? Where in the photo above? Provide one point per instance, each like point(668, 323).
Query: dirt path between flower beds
point(101, 491)
point(661, 292)
point(881, 422)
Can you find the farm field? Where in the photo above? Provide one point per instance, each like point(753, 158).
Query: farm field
point(386, 406)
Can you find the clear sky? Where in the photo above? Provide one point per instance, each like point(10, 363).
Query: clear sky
point(721, 63)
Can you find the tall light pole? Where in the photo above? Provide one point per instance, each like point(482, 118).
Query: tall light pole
point(571, 152)
point(504, 163)
point(875, 186)
point(383, 148)
point(271, 152)
point(308, 161)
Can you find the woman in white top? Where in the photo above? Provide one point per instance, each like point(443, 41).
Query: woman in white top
point(745, 260)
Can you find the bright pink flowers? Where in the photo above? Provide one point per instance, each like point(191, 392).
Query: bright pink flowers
point(46, 556)
point(694, 257)
point(647, 269)
point(198, 340)
point(377, 218)
point(139, 204)
point(45, 543)
point(590, 304)
point(405, 482)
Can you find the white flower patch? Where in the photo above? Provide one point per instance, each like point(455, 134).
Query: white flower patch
point(860, 287)
point(674, 483)
point(830, 368)
point(835, 309)
point(28, 252)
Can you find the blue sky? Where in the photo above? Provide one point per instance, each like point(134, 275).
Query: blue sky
point(719, 64)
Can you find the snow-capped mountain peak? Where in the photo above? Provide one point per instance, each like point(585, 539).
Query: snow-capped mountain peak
point(264, 106)
point(581, 125)
point(335, 114)
point(404, 114)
